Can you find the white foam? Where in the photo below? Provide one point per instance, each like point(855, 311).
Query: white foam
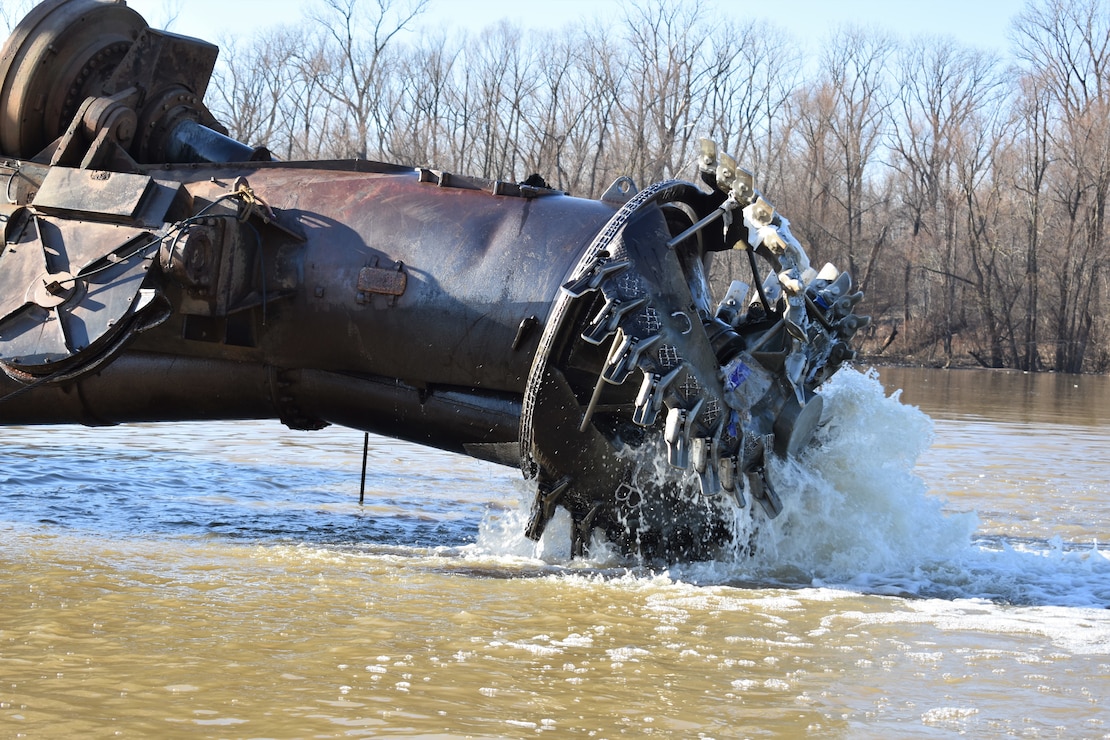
point(852, 504)
point(856, 517)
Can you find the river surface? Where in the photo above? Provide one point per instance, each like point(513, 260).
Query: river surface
point(940, 568)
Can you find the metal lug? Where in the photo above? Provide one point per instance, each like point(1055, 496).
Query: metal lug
point(624, 355)
point(609, 317)
point(600, 269)
point(677, 433)
point(649, 401)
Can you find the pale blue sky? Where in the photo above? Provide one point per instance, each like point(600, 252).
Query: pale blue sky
point(982, 23)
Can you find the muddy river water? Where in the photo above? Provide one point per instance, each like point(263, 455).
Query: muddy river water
point(941, 567)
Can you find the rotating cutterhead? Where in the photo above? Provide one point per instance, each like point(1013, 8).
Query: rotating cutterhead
point(652, 409)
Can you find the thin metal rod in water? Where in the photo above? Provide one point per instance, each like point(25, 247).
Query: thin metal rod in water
point(365, 454)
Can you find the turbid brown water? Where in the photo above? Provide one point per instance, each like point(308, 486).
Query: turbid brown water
point(222, 581)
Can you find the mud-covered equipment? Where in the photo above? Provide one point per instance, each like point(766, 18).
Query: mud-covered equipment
point(155, 269)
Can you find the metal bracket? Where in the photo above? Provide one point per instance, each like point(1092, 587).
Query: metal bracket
point(374, 280)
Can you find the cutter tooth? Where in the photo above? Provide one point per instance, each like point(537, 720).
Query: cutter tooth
point(548, 496)
point(703, 457)
point(649, 401)
point(846, 304)
point(699, 453)
point(850, 324)
point(581, 531)
point(677, 433)
point(828, 273)
point(743, 187)
point(608, 319)
point(707, 161)
point(710, 483)
point(764, 492)
point(726, 172)
point(677, 438)
point(624, 356)
point(599, 270)
point(730, 476)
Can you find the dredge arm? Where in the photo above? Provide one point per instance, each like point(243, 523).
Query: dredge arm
point(153, 269)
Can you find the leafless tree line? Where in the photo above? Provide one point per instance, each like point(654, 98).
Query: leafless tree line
point(966, 193)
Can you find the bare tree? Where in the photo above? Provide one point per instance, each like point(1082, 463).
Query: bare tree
point(842, 121)
point(358, 34)
point(661, 107)
point(254, 83)
point(557, 109)
point(947, 94)
point(1032, 119)
point(753, 70)
point(605, 80)
point(420, 125)
point(170, 12)
point(1068, 41)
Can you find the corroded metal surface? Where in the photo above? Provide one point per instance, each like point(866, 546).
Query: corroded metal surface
point(146, 277)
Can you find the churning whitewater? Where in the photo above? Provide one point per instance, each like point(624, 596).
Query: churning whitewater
point(855, 516)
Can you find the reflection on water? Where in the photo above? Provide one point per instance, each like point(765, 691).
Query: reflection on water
point(1005, 395)
point(1027, 452)
point(252, 480)
point(222, 581)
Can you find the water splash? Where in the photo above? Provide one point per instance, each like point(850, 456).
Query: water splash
point(856, 517)
point(852, 503)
